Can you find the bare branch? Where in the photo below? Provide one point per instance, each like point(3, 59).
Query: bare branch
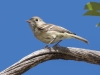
point(43, 55)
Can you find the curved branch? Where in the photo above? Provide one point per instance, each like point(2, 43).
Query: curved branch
point(43, 55)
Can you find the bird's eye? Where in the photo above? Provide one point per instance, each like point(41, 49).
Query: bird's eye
point(36, 20)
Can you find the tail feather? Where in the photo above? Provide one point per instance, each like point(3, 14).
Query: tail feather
point(80, 38)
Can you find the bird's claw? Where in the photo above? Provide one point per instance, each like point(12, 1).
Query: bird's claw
point(56, 45)
point(47, 47)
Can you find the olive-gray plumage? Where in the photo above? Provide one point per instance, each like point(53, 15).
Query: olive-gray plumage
point(50, 33)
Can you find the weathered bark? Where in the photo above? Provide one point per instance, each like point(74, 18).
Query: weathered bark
point(43, 55)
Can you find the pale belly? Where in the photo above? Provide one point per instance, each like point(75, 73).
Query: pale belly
point(47, 37)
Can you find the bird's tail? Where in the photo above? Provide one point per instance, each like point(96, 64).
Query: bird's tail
point(80, 38)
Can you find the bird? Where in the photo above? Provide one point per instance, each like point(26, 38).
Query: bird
point(51, 33)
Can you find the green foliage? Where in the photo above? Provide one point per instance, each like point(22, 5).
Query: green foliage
point(92, 6)
point(93, 10)
point(98, 25)
point(92, 13)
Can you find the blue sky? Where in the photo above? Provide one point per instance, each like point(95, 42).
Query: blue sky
point(17, 40)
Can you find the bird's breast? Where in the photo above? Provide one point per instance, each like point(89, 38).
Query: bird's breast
point(42, 36)
point(48, 36)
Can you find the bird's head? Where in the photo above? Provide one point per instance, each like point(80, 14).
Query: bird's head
point(36, 20)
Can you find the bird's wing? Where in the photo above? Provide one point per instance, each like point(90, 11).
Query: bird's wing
point(53, 27)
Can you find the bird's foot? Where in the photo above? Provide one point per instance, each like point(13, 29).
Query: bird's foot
point(56, 45)
point(47, 47)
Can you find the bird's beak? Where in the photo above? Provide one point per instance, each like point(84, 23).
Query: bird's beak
point(28, 21)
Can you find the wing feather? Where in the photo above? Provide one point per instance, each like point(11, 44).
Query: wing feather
point(60, 29)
